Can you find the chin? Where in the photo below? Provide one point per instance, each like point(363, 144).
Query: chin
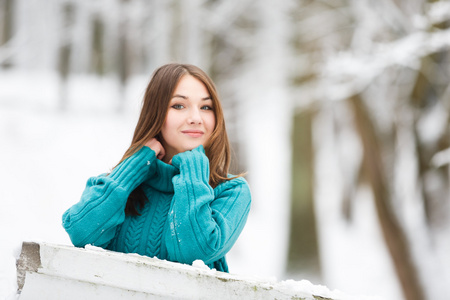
point(191, 147)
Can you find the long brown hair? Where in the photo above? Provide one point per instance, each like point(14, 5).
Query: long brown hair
point(153, 114)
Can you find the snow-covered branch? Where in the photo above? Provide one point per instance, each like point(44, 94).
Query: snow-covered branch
point(349, 73)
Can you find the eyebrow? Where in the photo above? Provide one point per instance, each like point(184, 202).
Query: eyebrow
point(186, 97)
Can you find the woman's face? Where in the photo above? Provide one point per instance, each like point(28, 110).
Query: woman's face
point(190, 118)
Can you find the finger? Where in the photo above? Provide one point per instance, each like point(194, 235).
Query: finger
point(150, 143)
point(162, 152)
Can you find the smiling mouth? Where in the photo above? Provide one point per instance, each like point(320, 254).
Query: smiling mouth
point(193, 133)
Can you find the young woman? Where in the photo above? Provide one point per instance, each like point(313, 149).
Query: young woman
point(171, 195)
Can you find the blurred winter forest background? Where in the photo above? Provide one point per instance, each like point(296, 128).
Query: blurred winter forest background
point(337, 109)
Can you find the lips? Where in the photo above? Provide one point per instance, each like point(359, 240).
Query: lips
point(193, 133)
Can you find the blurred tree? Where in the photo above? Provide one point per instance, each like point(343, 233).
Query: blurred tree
point(303, 242)
point(393, 75)
point(123, 52)
point(98, 51)
point(65, 51)
point(330, 20)
point(374, 170)
point(429, 97)
point(6, 29)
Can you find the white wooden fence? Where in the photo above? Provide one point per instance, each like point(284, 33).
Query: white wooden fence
point(46, 271)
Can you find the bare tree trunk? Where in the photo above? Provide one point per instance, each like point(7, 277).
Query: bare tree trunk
point(65, 53)
point(6, 24)
point(427, 95)
point(394, 236)
point(303, 244)
point(98, 28)
point(123, 57)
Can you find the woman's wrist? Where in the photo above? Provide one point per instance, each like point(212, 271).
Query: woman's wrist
point(135, 169)
point(193, 163)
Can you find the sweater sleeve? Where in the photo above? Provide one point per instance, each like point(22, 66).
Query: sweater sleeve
point(95, 218)
point(204, 223)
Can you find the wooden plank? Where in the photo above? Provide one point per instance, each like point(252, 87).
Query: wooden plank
point(47, 271)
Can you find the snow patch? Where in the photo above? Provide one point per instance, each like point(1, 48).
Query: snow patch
point(199, 264)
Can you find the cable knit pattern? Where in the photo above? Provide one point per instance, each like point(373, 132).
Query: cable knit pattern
point(155, 234)
point(183, 220)
point(134, 229)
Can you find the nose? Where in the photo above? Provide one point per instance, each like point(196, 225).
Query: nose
point(194, 116)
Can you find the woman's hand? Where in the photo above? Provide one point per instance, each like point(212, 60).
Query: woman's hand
point(156, 146)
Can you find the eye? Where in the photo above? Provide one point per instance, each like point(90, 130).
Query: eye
point(207, 107)
point(177, 106)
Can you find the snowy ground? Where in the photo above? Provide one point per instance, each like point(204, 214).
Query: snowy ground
point(46, 158)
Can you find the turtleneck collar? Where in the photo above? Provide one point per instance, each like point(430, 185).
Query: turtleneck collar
point(161, 180)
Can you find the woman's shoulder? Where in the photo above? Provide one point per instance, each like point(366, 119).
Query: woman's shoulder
point(233, 182)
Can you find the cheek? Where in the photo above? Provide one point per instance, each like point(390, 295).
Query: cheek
point(166, 130)
point(171, 122)
point(211, 122)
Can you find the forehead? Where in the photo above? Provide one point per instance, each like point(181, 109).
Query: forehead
point(189, 85)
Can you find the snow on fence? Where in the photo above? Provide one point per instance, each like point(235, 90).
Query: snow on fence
point(47, 271)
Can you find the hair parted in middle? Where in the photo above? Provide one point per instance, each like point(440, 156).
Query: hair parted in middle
point(153, 115)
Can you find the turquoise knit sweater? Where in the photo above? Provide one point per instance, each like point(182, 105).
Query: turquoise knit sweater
point(184, 220)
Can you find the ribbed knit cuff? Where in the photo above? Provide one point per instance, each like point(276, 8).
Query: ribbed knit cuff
point(135, 169)
point(193, 163)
